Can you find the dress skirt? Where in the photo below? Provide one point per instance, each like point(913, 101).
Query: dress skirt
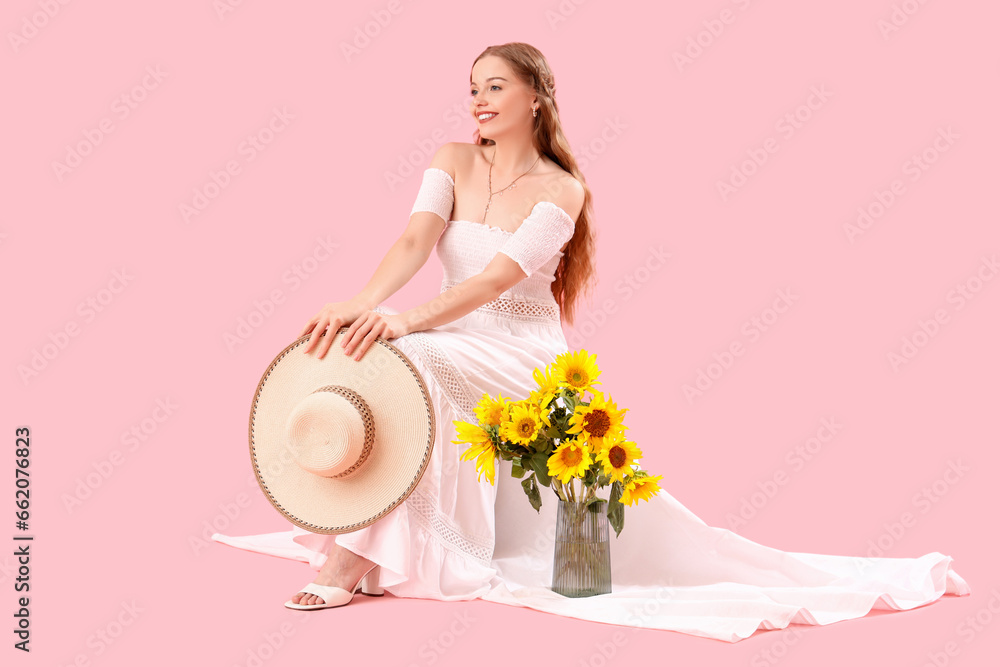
point(456, 538)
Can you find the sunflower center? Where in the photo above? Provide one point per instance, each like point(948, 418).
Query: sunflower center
point(578, 378)
point(572, 456)
point(525, 427)
point(617, 456)
point(597, 423)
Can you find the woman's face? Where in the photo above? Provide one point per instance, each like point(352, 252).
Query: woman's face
point(496, 91)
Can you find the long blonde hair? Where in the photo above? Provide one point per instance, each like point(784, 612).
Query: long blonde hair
point(575, 273)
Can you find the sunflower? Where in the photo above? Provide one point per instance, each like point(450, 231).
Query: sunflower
point(523, 423)
point(598, 423)
point(481, 448)
point(492, 412)
point(542, 401)
point(548, 389)
point(570, 459)
point(639, 488)
point(548, 382)
point(576, 370)
point(618, 457)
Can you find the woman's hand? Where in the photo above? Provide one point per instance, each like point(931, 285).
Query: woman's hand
point(329, 319)
point(365, 329)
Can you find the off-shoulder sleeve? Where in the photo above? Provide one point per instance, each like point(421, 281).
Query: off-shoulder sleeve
point(539, 237)
point(436, 194)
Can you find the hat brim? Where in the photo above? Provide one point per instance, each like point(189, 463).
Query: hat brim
point(404, 435)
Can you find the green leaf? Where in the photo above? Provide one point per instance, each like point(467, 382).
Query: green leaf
point(594, 504)
point(616, 511)
point(517, 471)
point(540, 464)
point(531, 489)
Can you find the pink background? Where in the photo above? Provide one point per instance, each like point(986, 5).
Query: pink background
point(654, 138)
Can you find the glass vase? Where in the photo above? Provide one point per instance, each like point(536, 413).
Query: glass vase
point(581, 565)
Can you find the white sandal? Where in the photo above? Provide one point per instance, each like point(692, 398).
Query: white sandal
point(334, 596)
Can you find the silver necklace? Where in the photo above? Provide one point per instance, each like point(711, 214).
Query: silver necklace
point(512, 184)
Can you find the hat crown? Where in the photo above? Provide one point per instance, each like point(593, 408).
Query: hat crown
point(330, 432)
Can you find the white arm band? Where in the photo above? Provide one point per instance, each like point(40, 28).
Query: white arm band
point(539, 237)
point(436, 194)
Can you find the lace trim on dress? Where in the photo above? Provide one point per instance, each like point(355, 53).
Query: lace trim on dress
point(425, 510)
point(522, 310)
point(449, 378)
point(463, 401)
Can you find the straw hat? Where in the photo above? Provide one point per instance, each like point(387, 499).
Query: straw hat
point(336, 443)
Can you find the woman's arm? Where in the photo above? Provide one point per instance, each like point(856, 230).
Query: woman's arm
point(403, 260)
point(428, 219)
point(414, 246)
point(501, 274)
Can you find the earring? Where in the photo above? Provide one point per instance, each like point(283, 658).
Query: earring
point(534, 112)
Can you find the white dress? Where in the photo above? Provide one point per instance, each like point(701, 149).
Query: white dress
point(455, 538)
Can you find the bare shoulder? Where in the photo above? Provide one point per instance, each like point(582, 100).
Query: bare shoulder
point(565, 191)
point(449, 156)
point(455, 157)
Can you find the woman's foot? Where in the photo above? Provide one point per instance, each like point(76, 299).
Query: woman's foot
point(343, 568)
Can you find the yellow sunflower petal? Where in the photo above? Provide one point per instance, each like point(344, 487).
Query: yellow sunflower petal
point(598, 422)
point(577, 370)
point(490, 411)
point(640, 488)
point(523, 424)
point(617, 458)
point(569, 459)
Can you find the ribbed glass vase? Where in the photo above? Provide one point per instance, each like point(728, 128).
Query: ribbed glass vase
point(581, 565)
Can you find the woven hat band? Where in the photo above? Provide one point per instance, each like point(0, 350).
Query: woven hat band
point(330, 432)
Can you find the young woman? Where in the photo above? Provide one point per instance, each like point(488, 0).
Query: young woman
point(510, 217)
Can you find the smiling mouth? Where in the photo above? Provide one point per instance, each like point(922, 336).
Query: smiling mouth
point(482, 119)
